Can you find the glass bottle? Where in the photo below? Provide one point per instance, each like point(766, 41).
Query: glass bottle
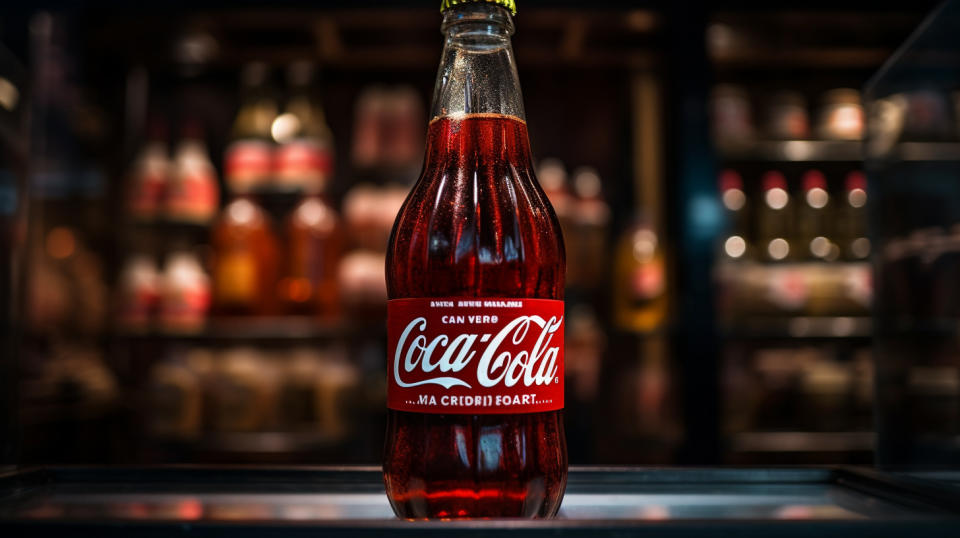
point(312, 258)
point(774, 222)
point(304, 158)
point(248, 160)
point(476, 225)
point(245, 254)
point(640, 294)
point(814, 214)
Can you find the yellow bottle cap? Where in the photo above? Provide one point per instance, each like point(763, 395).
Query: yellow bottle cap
point(509, 4)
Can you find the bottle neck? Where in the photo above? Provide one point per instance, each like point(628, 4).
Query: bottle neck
point(478, 73)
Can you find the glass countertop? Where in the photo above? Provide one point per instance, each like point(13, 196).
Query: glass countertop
point(356, 494)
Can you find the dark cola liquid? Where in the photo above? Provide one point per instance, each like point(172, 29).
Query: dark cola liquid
point(476, 224)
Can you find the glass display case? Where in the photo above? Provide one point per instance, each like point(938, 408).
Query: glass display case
point(912, 161)
point(792, 276)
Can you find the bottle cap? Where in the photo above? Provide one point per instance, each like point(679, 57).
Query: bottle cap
point(814, 179)
point(509, 4)
point(774, 180)
point(856, 180)
point(730, 179)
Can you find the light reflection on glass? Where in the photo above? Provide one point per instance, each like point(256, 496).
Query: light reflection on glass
point(460, 439)
point(735, 246)
point(490, 447)
point(776, 198)
point(817, 198)
point(734, 199)
point(820, 246)
point(778, 248)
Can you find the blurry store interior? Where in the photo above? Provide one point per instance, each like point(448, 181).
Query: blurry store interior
point(196, 198)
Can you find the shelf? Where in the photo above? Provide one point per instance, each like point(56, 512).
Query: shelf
point(257, 442)
point(341, 38)
point(858, 441)
point(800, 327)
point(793, 151)
point(834, 151)
point(172, 226)
point(922, 152)
point(283, 328)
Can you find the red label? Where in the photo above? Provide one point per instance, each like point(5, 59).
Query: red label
point(301, 156)
point(475, 356)
point(193, 197)
point(248, 158)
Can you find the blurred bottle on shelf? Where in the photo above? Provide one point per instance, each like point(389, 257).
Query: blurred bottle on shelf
point(390, 201)
point(813, 219)
point(244, 388)
point(886, 124)
point(787, 116)
point(927, 117)
point(592, 221)
point(48, 300)
point(360, 207)
point(304, 157)
point(72, 382)
point(338, 394)
point(552, 175)
point(368, 211)
point(363, 285)
point(586, 343)
point(774, 218)
point(851, 283)
point(314, 247)
point(388, 133)
point(640, 298)
point(193, 195)
point(248, 159)
point(139, 293)
point(736, 244)
point(149, 175)
point(783, 288)
point(733, 279)
point(299, 407)
point(851, 229)
point(185, 293)
point(403, 133)
point(245, 259)
point(841, 115)
point(826, 387)
point(66, 289)
point(176, 394)
point(732, 115)
point(366, 148)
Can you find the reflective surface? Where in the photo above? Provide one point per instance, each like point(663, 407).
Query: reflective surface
point(179, 494)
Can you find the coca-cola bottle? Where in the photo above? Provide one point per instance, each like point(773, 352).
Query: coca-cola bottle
point(475, 275)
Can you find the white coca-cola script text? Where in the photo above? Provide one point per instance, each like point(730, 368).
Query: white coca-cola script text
point(536, 365)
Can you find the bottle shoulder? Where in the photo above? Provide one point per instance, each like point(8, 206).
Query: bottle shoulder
point(314, 214)
point(494, 235)
point(243, 213)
